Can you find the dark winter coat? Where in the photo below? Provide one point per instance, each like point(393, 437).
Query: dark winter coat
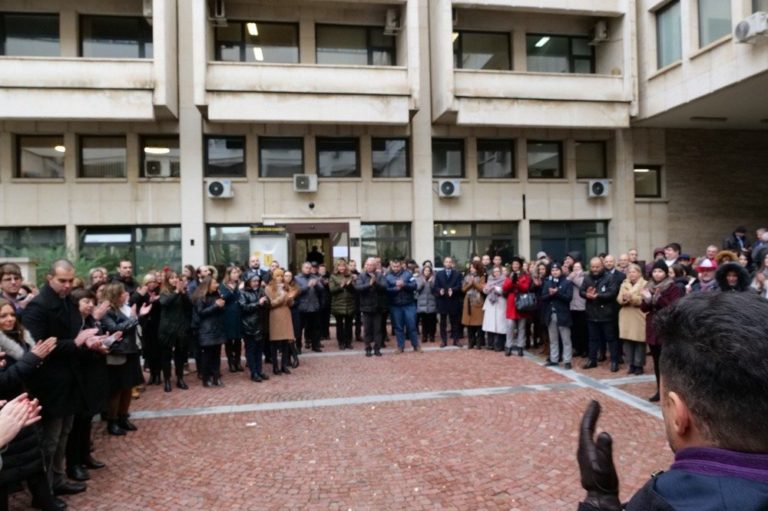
point(406, 294)
point(231, 312)
point(369, 291)
point(209, 319)
point(309, 298)
point(93, 367)
point(559, 303)
point(426, 302)
point(342, 296)
point(667, 297)
point(251, 312)
point(175, 318)
point(115, 321)
point(604, 308)
point(741, 285)
point(448, 304)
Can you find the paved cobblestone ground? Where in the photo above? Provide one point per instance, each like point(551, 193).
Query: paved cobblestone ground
point(481, 432)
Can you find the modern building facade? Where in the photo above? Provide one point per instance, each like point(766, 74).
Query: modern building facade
point(171, 131)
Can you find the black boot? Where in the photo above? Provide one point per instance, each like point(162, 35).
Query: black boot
point(180, 383)
point(125, 424)
point(167, 386)
point(114, 429)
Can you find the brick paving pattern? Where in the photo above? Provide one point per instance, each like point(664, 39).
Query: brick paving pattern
point(509, 445)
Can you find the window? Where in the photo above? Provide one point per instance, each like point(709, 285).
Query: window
point(495, 158)
point(385, 240)
point(559, 238)
point(102, 156)
point(447, 157)
point(590, 160)
point(40, 156)
point(229, 244)
point(29, 35)
point(714, 20)
point(257, 41)
point(115, 37)
point(224, 156)
point(354, 46)
point(464, 240)
point(390, 157)
point(759, 5)
point(669, 38)
point(545, 160)
point(31, 241)
point(647, 181)
point(281, 157)
point(338, 157)
point(481, 50)
point(160, 157)
point(559, 54)
point(150, 248)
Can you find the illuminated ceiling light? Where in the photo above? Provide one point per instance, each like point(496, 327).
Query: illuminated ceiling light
point(454, 36)
point(641, 171)
point(541, 42)
point(60, 148)
point(252, 29)
point(157, 150)
point(258, 54)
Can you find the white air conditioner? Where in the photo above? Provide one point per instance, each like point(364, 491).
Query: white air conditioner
point(599, 33)
point(448, 188)
point(157, 168)
point(751, 27)
point(598, 188)
point(219, 188)
point(392, 22)
point(218, 13)
point(304, 183)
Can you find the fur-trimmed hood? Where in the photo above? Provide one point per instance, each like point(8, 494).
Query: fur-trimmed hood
point(12, 348)
point(722, 271)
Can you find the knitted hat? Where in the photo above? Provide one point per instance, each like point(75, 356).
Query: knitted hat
point(661, 265)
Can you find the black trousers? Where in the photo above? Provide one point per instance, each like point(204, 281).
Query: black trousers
point(579, 331)
point(38, 487)
point(372, 330)
point(178, 354)
point(310, 327)
point(656, 355)
point(344, 330)
point(428, 321)
point(79, 440)
point(358, 322)
point(234, 349)
point(210, 358)
point(281, 348)
point(456, 328)
point(603, 333)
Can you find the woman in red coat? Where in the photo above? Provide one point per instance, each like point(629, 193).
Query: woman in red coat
point(516, 283)
point(660, 292)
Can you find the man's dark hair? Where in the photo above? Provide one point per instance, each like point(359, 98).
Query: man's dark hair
point(715, 357)
point(9, 269)
point(675, 246)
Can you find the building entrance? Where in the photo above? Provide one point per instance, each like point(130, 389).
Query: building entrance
point(330, 239)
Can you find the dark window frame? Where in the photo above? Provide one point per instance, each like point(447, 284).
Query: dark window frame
point(473, 238)
point(407, 141)
point(571, 57)
point(388, 239)
point(133, 245)
point(142, 41)
point(40, 14)
point(459, 46)
point(463, 157)
point(143, 155)
point(80, 158)
point(261, 164)
point(356, 140)
point(370, 50)
point(218, 245)
point(18, 247)
point(658, 169)
point(604, 145)
point(561, 158)
point(513, 155)
point(17, 150)
point(207, 137)
point(243, 29)
point(569, 235)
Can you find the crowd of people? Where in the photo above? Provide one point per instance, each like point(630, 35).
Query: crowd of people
point(80, 345)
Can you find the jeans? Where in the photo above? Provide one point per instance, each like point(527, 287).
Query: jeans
point(600, 334)
point(404, 321)
point(515, 333)
point(634, 353)
point(254, 353)
point(554, 345)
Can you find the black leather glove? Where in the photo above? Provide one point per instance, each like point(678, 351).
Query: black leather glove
point(598, 475)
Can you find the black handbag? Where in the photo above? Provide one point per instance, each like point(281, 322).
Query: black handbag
point(525, 302)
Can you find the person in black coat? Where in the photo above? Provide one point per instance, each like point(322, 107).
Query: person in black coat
point(254, 304)
point(208, 316)
point(173, 330)
point(146, 294)
point(600, 290)
point(370, 287)
point(447, 290)
point(556, 295)
point(230, 291)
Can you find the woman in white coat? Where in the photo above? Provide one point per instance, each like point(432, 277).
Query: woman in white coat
point(495, 311)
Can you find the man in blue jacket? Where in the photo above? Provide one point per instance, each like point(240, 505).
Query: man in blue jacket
point(713, 400)
point(447, 289)
point(401, 287)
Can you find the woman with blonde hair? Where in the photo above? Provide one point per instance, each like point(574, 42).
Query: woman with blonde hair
point(280, 322)
point(342, 290)
point(632, 319)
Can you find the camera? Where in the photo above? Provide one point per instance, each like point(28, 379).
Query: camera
point(311, 205)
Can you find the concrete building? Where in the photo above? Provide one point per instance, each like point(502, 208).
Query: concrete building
point(171, 131)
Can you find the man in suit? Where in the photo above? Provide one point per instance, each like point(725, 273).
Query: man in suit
point(447, 289)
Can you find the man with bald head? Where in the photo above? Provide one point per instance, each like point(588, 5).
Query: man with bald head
point(600, 290)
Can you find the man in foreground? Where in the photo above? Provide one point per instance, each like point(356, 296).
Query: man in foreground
point(713, 379)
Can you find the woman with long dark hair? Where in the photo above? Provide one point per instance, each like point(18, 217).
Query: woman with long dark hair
point(253, 306)
point(173, 331)
point(472, 310)
point(208, 316)
point(426, 303)
point(230, 291)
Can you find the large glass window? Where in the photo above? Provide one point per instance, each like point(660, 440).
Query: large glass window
point(545, 160)
point(559, 238)
point(647, 181)
point(338, 157)
point(281, 157)
point(29, 35)
point(390, 157)
point(447, 157)
point(547, 53)
point(229, 244)
point(760, 5)
point(258, 41)
point(669, 38)
point(115, 37)
point(714, 20)
point(464, 240)
point(495, 158)
point(102, 156)
point(355, 46)
point(160, 157)
point(150, 248)
point(590, 160)
point(40, 156)
point(224, 156)
point(385, 240)
point(32, 241)
point(481, 50)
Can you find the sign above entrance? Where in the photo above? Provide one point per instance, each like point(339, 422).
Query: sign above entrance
point(267, 230)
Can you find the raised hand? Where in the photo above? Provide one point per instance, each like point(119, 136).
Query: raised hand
point(598, 474)
point(44, 348)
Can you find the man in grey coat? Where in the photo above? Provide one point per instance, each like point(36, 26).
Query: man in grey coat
point(308, 303)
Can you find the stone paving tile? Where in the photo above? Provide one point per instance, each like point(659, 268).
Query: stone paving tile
point(643, 390)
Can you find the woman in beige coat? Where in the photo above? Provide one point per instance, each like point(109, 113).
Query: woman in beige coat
point(280, 322)
point(472, 311)
point(632, 319)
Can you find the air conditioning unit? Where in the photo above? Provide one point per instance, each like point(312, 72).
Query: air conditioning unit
point(599, 33)
point(392, 22)
point(448, 188)
point(304, 183)
point(598, 188)
point(218, 13)
point(219, 188)
point(157, 168)
point(751, 27)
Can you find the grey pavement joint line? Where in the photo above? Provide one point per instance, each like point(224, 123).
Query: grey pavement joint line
point(354, 400)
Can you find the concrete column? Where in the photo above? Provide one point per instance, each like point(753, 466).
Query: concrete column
point(524, 239)
point(193, 235)
point(69, 32)
point(621, 231)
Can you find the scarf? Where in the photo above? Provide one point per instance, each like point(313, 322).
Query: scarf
point(490, 288)
point(12, 347)
point(474, 297)
point(658, 288)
